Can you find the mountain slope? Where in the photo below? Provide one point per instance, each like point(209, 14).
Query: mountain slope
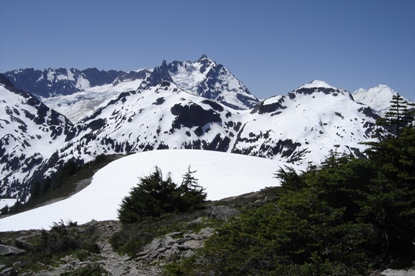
point(223, 175)
point(306, 124)
point(156, 117)
point(30, 133)
point(82, 104)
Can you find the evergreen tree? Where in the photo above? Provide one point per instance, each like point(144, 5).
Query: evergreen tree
point(315, 227)
point(155, 196)
point(400, 114)
point(36, 190)
point(391, 205)
point(191, 194)
point(151, 198)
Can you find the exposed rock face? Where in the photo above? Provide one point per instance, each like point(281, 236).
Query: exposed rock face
point(159, 74)
point(8, 272)
point(176, 244)
point(22, 242)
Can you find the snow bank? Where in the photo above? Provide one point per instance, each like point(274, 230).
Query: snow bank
point(222, 174)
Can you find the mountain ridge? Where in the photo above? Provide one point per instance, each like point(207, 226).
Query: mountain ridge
point(178, 105)
point(300, 127)
point(73, 91)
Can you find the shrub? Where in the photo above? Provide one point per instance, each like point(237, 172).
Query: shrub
point(66, 238)
point(155, 196)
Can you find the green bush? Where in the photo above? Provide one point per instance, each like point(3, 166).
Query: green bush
point(64, 239)
point(155, 196)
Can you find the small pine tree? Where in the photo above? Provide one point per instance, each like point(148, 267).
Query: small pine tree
point(400, 114)
point(192, 195)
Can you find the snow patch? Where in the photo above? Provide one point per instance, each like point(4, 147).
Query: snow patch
point(7, 202)
point(222, 174)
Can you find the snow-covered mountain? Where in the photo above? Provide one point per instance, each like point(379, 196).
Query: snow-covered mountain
point(297, 128)
point(57, 82)
point(176, 106)
point(81, 104)
point(73, 92)
point(306, 124)
point(211, 80)
point(378, 98)
point(30, 133)
point(302, 126)
point(77, 94)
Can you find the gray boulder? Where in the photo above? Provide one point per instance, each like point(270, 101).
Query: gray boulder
point(6, 250)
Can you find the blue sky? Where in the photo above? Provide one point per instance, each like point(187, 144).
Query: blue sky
point(271, 46)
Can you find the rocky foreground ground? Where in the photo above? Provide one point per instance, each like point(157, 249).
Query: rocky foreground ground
point(149, 261)
point(151, 257)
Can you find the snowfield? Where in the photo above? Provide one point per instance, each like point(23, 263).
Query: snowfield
point(7, 202)
point(222, 174)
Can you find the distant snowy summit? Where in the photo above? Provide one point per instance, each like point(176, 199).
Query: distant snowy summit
point(320, 86)
point(77, 93)
point(316, 84)
point(378, 98)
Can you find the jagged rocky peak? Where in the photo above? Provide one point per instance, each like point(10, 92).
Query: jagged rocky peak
point(206, 61)
point(204, 56)
point(159, 74)
point(204, 77)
